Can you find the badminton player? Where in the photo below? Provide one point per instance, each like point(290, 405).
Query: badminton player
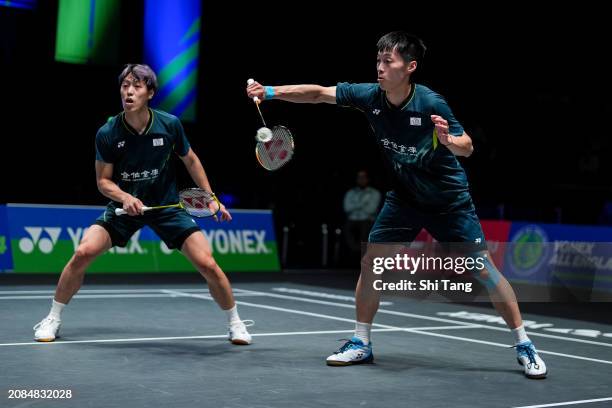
point(133, 169)
point(419, 137)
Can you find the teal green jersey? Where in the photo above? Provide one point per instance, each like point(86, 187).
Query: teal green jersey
point(142, 164)
point(424, 172)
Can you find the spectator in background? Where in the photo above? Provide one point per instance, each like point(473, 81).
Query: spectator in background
point(360, 206)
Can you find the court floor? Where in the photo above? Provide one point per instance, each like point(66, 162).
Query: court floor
point(135, 345)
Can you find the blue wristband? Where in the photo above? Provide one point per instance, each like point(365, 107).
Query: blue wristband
point(269, 92)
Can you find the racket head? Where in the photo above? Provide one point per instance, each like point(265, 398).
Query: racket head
point(278, 151)
point(199, 203)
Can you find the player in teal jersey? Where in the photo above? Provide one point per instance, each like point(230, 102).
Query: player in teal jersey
point(133, 168)
point(420, 139)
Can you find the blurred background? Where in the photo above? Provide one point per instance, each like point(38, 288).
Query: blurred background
point(527, 82)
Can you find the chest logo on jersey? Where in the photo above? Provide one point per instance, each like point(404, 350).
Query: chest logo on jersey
point(121, 144)
point(415, 121)
point(158, 142)
point(376, 112)
point(399, 148)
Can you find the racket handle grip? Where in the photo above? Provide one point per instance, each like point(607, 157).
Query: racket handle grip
point(249, 82)
point(121, 211)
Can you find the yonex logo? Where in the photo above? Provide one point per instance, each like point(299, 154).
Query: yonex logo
point(376, 111)
point(415, 121)
point(45, 244)
point(158, 142)
point(121, 144)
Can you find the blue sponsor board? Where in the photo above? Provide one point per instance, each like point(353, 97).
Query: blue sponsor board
point(44, 237)
point(562, 255)
point(6, 260)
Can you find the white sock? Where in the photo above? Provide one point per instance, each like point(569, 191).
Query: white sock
point(362, 332)
point(232, 314)
point(56, 310)
point(519, 334)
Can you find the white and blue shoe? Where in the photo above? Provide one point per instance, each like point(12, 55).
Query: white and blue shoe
point(528, 357)
point(352, 352)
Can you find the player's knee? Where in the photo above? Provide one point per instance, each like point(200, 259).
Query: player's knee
point(208, 266)
point(84, 252)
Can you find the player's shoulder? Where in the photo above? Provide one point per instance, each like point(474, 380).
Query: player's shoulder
point(428, 97)
point(165, 117)
point(110, 127)
point(365, 92)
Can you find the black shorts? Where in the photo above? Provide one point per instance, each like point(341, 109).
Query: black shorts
point(398, 222)
point(172, 225)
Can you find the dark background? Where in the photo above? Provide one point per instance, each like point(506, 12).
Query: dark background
point(529, 85)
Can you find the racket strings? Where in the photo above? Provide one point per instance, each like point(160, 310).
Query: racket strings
point(278, 151)
point(198, 203)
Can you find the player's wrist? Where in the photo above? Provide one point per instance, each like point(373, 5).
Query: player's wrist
point(451, 141)
point(269, 92)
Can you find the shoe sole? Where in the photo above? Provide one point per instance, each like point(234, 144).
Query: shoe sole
point(533, 376)
point(333, 363)
point(48, 340)
point(240, 342)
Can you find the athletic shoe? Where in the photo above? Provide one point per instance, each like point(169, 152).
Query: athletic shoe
point(352, 352)
point(237, 332)
point(47, 329)
point(528, 357)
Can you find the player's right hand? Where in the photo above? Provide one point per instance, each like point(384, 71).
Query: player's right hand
point(256, 90)
point(132, 205)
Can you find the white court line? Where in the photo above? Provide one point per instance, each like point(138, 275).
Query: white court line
point(113, 296)
point(558, 404)
point(408, 330)
point(52, 291)
point(216, 336)
point(423, 317)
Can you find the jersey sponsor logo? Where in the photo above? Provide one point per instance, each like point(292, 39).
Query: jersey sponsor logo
point(415, 121)
point(398, 148)
point(158, 142)
point(121, 144)
point(140, 175)
point(376, 111)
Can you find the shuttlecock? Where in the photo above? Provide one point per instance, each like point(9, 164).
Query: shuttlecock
point(263, 135)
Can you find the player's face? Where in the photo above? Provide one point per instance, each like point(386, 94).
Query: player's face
point(134, 94)
point(392, 69)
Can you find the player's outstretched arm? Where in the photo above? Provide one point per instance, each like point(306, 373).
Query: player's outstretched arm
point(293, 93)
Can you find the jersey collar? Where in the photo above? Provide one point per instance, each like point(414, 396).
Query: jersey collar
point(405, 102)
point(132, 130)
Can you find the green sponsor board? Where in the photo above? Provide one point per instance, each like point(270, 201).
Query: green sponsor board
point(139, 256)
point(2, 244)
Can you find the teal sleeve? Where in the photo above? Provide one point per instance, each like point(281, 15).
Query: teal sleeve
point(441, 108)
point(181, 144)
point(104, 151)
point(355, 95)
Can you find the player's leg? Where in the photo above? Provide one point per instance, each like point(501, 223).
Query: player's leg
point(108, 230)
point(396, 223)
point(178, 230)
point(464, 227)
point(95, 242)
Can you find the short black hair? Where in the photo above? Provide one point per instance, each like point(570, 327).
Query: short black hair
point(409, 46)
point(141, 72)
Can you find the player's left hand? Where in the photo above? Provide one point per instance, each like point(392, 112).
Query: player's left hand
point(224, 214)
point(442, 130)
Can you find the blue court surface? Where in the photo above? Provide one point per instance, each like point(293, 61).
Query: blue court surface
point(165, 344)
